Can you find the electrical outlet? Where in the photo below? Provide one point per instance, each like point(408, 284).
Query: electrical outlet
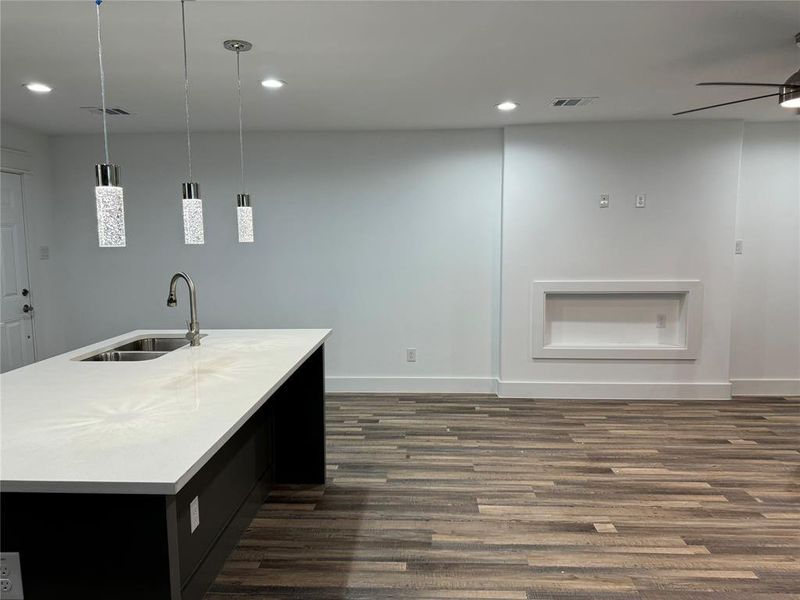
point(10, 576)
point(739, 248)
point(411, 355)
point(604, 200)
point(641, 200)
point(661, 321)
point(194, 513)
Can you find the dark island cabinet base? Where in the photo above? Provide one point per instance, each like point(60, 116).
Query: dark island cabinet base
point(127, 546)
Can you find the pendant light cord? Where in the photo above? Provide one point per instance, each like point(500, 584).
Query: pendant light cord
point(186, 90)
point(241, 137)
point(102, 79)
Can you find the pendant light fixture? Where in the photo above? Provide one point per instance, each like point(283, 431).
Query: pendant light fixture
point(107, 192)
point(244, 211)
point(192, 204)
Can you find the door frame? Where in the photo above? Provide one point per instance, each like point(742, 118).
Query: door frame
point(17, 162)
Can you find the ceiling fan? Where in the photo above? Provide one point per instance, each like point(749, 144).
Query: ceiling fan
point(788, 92)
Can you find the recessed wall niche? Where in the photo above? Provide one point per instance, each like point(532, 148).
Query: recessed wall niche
point(621, 320)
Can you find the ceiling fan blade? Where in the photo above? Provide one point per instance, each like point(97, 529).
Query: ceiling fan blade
point(742, 83)
point(683, 112)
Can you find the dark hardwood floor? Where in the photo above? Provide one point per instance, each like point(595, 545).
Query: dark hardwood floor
point(477, 497)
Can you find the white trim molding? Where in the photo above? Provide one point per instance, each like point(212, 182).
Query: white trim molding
point(765, 387)
point(411, 385)
point(571, 390)
point(690, 319)
point(564, 390)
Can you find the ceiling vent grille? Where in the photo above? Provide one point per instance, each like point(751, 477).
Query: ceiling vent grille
point(114, 111)
point(573, 101)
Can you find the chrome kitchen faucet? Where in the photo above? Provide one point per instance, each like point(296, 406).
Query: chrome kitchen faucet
point(193, 335)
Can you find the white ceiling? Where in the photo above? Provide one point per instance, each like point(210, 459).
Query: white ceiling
point(390, 65)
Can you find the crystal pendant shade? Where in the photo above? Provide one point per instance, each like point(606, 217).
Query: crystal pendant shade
point(244, 218)
point(110, 207)
point(193, 231)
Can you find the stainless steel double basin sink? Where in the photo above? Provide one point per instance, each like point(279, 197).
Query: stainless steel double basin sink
point(146, 348)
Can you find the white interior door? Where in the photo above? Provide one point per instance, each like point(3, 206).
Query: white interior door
point(16, 312)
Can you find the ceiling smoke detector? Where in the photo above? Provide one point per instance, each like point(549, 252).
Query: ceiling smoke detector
point(573, 101)
point(112, 111)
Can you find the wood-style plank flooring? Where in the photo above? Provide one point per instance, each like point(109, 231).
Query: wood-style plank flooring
point(447, 497)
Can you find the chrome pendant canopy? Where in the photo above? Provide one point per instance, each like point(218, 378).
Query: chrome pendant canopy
point(237, 45)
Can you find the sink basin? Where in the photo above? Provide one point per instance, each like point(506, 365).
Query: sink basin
point(117, 356)
point(153, 344)
point(144, 348)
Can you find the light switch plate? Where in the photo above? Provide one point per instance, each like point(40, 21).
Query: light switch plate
point(194, 513)
point(605, 199)
point(739, 249)
point(10, 576)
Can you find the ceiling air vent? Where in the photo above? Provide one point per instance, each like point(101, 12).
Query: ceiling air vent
point(114, 110)
point(574, 101)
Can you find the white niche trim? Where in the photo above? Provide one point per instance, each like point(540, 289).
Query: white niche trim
point(621, 320)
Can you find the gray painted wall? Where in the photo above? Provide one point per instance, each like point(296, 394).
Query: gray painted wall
point(394, 239)
point(389, 238)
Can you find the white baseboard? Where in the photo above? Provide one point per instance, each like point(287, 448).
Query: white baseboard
point(766, 387)
point(614, 391)
point(411, 385)
point(527, 389)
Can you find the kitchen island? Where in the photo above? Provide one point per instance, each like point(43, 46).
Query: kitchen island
point(135, 479)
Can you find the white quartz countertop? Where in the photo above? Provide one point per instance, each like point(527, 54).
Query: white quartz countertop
point(138, 427)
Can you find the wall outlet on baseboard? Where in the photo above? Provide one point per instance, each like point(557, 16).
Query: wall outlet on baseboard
point(411, 355)
point(10, 576)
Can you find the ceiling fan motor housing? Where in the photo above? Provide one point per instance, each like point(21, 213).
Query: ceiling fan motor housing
point(791, 91)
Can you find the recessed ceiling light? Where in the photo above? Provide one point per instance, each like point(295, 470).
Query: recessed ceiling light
point(273, 84)
point(507, 105)
point(38, 88)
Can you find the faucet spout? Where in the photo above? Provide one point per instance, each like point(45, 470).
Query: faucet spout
point(193, 334)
